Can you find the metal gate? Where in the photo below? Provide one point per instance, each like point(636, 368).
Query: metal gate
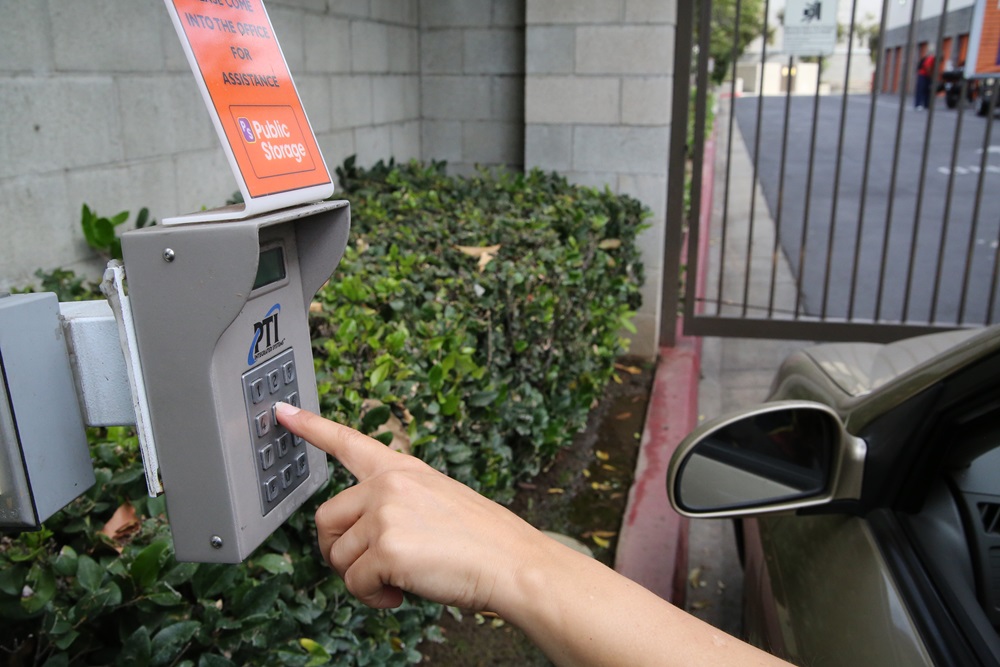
point(827, 205)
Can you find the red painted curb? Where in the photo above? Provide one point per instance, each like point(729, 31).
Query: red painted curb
point(653, 543)
point(652, 546)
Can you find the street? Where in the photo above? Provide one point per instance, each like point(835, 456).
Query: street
point(870, 236)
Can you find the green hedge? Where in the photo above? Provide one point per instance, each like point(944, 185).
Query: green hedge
point(492, 366)
point(488, 365)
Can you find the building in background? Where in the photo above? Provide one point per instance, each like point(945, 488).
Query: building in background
point(899, 56)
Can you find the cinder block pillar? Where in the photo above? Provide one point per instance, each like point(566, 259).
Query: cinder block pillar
point(598, 82)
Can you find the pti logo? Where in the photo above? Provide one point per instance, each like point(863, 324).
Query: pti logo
point(265, 336)
point(247, 130)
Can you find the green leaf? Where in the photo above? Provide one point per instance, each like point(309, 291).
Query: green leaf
point(375, 418)
point(317, 654)
point(137, 650)
point(89, 574)
point(385, 437)
point(483, 398)
point(12, 579)
point(104, 233)
point(274, 563)
point(42, 582)
point(213, 660)
point(65, 563)
point(168, 642)
point(119, 218)
point(260, 599)
point(146, 566)
point(380, 373)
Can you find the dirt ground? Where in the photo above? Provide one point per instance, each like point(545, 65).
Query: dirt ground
point(582, 494)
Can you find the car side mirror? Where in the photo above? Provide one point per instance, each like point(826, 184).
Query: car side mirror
point(775, 457)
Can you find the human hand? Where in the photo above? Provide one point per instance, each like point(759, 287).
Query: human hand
point(408, 527)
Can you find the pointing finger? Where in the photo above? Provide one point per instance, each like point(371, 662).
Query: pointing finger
point(361, 455)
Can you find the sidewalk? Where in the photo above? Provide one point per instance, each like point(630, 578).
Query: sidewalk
point(694, 563)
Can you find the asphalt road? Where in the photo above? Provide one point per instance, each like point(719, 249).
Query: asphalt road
point(953, 246)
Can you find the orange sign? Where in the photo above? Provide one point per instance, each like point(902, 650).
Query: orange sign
point(984, 44)
point(251, 89)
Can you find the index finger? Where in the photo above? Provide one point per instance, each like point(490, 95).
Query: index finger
point(361, 455)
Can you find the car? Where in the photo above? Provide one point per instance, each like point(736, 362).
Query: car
point(866, 492)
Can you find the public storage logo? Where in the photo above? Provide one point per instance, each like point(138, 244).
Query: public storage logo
point(266, 337)
point(273, 139)
point(247, 129)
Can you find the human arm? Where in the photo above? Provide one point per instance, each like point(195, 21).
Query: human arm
point(407, 527)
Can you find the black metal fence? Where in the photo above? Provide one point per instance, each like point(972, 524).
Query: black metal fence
point(842, 210)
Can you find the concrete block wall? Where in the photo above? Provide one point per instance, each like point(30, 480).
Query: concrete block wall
point(101, 107)
point(598, 85)
point(472, 65)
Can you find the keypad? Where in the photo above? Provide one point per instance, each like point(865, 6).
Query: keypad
point(281, 460)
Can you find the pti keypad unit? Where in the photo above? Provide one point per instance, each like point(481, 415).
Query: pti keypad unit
point(282, 461)
point(222, 329)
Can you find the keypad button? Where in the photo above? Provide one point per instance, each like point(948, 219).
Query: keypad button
point(273, 381)
point(286, 476)
point(266, 454)
point(262, 424)
point(271, 489)
point(301, 464)
point(293, 399)
point(283, 444)
point(288, 370)
point(257, 391)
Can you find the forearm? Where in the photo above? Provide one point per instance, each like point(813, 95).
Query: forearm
point(583, 613)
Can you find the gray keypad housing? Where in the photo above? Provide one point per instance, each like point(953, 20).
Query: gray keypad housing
point(279, 457)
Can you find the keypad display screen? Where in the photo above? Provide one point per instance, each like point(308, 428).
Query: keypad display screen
point(270, 268)
point(281, 460)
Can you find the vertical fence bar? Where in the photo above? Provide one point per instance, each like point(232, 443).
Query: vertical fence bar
point(928, 132)
point(781, 189)
point(674, 229)
point(876, 85)
point(911, 34)
point(974, 227)
point(808, 194)
point(756, 162)
point(729, 160)
point(837, 168)
point(701, 94)
point(996, 255)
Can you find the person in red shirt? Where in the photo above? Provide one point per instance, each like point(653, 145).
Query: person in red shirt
point(925, 70)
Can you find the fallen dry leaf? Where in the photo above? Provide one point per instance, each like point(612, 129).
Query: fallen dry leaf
point(315, 307)
point(600, 541)
point(610, 244)
point(602, 455)
point(633, 370)
point(123, 524)
point(623, 416)
point(698, 605)
point(554, 491)
point(485, 254)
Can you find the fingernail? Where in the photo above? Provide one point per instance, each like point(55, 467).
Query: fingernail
point(286, 409)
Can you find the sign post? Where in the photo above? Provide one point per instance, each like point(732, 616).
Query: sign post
point(810, 27)
point(255, 108)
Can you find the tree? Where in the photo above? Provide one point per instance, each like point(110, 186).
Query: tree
point(725, 33)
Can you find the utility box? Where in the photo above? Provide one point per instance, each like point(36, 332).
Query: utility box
point(44, 457)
